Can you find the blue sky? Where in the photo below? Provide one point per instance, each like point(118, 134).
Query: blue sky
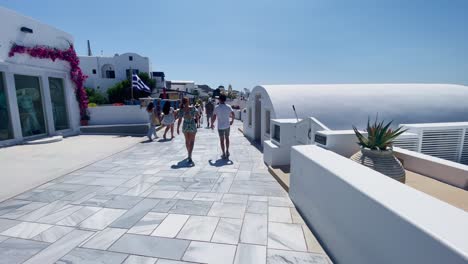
point(250, 42)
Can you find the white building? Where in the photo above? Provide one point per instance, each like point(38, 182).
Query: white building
point(37, 98)
point(104, 72)
point(341, 106)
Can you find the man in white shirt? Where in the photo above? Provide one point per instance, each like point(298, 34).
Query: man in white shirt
point(222, 112)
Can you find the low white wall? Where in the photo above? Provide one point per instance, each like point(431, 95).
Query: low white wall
point(113, 115)
point(450, 172)
point(274, 155)
point(343, 142)
point(362, 216)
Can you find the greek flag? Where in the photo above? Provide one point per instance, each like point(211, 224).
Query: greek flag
point(138, 84)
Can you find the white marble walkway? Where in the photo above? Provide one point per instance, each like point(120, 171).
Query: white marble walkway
point(146, 205)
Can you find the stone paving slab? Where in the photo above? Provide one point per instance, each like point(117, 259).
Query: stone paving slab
point(147, 205)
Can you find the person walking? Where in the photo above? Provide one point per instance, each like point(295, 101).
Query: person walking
point(209, 107)
point(189, 128)
point(200, 114)
point(153, 121)
point(168, 119)
point(222, 112)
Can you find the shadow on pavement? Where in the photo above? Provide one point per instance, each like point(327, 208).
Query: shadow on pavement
point(182, 164)
point(220, 162)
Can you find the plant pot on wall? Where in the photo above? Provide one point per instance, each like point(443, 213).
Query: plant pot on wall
point(382, 161)
point(376, 150)
point(84, 122)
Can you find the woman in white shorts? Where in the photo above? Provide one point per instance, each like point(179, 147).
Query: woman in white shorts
point(168, 119)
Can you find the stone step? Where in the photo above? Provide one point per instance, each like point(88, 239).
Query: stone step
point(119, 129)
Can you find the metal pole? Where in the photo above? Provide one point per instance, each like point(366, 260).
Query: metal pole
point(131, 83)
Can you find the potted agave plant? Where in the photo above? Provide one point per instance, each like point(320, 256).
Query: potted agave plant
point(376, 149)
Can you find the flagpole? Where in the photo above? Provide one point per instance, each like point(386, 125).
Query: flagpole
point(131, 83)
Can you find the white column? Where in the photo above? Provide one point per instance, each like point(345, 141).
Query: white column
point(13, 106)
point(47, 102)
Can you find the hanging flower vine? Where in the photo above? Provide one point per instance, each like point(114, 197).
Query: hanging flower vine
point(68, 55)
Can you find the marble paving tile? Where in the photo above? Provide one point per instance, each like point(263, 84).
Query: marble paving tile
point(148, 223)
point(291, 257)
point(227, 231)
point(15, 214)
point(119, 191)
point(191, 207)
point(78, 216)
point(227, 210)
point(132, 216)
point(222, 185)
point(185, 195)
point(133, 259)
point(170, 226)
point(11, 205)
point(211, 197)
point(250, 254)
point(15, 251)
point(255, 207)
point(26, 230)
point(164, 205)
point(53, 234)
point(279, 214)
point(6, 224)
point(168, 261)
point(104, 239)
point(96, 200)
point(258, 198)
point(286, 236)
point(3, 238)
point(122, 202)
point(67, 187)
point(162, 194)
point(60, 248)
point(235, 198)
point(76, 196)
point(83, 255)
point(139, 189)
point(47, 196)
point(43, 211)
point(158, 247)
point(102, 218)
point(254, 229)
point(210, 253)
point(99, 181)
point(280, 201)
point(59, 214)
point(199, 228)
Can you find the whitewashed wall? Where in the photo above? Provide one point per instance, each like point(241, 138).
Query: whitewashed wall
point(115, 115)
point(362, 216)
point(44, 35)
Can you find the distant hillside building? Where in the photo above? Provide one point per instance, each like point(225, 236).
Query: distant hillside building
point(104, 72)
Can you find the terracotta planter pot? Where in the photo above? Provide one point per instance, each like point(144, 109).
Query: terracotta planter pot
point(84, 122)
point(382, 161)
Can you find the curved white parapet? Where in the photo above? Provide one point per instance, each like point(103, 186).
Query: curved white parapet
point(362, 216)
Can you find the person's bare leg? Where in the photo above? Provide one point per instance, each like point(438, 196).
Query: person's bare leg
point(192, 143)
point(165, 132)
point(227, 145)
point(172, 131)
point(187, 143)
point(221, 141)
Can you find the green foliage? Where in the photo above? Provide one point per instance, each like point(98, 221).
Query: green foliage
point(121, 92)
point(95, 97)
point(379, 135)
